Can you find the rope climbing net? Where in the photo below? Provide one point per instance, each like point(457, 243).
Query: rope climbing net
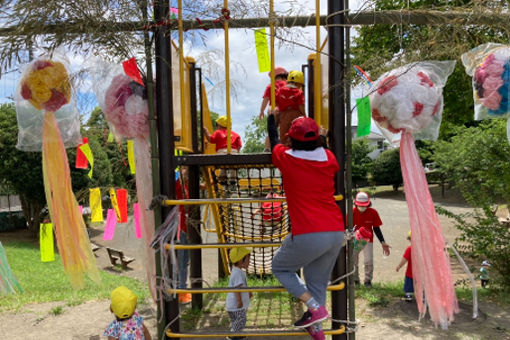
point(261, 222)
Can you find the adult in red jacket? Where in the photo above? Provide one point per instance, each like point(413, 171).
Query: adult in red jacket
point(317, 227)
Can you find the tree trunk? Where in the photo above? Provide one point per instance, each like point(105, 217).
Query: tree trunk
point(32, 212)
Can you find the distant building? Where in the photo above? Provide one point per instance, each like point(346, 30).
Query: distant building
point(375, 139)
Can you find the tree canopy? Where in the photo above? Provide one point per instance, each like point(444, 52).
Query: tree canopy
point(477, 161)
point(22, 171)
point(361, 163)
point(255, 135)
point(387, 169)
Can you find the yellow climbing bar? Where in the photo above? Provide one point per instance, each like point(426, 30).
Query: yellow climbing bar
point(201, 201)
point(339, 331)
point(223, 245)
point(219, 290)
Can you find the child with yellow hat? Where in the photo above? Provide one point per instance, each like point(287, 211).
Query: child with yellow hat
point(237, 303)
point(128, 324)
point(290, 103)
point(219, 138)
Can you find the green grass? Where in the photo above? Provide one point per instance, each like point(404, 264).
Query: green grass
point(47, 282)
point(380, 294)
point(57, 310)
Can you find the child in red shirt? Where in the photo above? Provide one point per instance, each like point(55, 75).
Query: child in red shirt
point(363, 216)
point(408, 279)
point(317, 228)
point(290, 103)
point(280, 77)
point(219, 138)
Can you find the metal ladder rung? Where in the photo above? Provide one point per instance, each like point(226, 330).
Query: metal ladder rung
point(202, 201)
point(223, 245)
point(169, 333)
point(268, 289)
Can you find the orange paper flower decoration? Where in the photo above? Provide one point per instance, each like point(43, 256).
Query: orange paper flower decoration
point(47, 85)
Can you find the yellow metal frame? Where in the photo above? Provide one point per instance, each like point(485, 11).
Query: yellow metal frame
point(223, 245)
point(216, 201)
point(268, 289)
point(216, 215)
point(339, 331)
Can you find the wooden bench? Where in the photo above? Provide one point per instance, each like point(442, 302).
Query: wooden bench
point(117, 255)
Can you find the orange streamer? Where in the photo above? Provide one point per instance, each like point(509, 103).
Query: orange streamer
point(72, 239)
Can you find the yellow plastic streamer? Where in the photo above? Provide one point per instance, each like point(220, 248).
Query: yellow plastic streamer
point(72, 239)
point(115, 205)
point(46, 242)
point(96, 208)
point(210, 149)
point(262, 50)
point(85, 148)
point(110, 137)
point(131, 156)
point(272, 34)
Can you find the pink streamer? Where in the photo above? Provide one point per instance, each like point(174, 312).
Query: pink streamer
point(111, 223)
point(81, 209)
point(144, 192)
point(136, 213)
point(432, 274)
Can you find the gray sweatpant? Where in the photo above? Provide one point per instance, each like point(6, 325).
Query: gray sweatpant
point(316, 253)
point(368, 255)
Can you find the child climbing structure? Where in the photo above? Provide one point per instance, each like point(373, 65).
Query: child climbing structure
point(234, 203)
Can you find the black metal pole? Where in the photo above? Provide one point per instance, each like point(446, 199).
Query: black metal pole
point(337, 127)
point(194, 192)
point(348, 178)
point(311, 58)
point(164, 111)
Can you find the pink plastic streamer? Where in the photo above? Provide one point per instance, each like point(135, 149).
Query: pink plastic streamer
point(111, 223)
point(144, 192)
point(432, 276)
point(136, 213)
point(81, 209)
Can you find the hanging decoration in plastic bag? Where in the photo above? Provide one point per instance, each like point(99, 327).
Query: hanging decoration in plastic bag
point(123, 98)
point(48, 121)
point(489, 65)
point(408, 100)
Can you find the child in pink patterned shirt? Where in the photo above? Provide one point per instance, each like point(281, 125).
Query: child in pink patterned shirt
point(128, 324)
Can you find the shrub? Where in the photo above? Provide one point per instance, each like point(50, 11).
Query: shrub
point(387, 169)
point(361, 163)
point(483, 238)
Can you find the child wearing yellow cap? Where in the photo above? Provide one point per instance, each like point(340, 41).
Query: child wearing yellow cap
point(219, 138)
point(128, 324)
point(238, 303)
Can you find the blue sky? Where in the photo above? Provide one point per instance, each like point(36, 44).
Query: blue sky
point(246, 94)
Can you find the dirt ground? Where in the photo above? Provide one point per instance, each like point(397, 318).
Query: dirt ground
point(398, 320)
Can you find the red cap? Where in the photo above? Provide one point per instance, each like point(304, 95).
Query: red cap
point(304, 129)
point(362, 199)
point(278, 71)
